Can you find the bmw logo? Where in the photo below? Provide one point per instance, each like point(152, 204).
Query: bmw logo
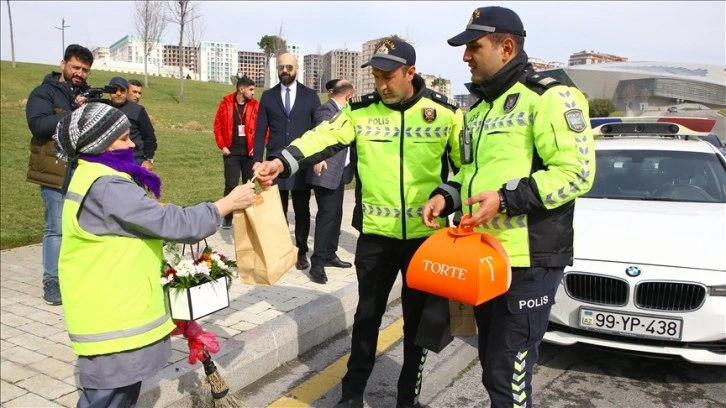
point(633, 271)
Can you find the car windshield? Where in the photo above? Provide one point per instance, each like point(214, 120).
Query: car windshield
point(659, 175)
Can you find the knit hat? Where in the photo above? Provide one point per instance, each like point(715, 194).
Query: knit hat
point(89, 129)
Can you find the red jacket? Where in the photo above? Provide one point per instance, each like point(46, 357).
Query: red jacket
point(224, 121)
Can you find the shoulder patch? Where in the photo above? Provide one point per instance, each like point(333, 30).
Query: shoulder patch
point(575, 120)
point(444, 100)
point(362, 101)
point(539, 82)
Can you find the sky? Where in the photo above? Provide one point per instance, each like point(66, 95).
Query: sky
point(663, 31)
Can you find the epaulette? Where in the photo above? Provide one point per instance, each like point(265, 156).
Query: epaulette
point(540, 83)
point(442, 99)
point(362, 101)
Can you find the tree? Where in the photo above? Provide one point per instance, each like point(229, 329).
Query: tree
point(12, 39)
point(181, 12)
point(150, 21)
point(195, 31)
point(272, 46)
point(601, 108)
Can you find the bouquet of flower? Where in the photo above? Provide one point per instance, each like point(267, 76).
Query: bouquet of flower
point(181, 270)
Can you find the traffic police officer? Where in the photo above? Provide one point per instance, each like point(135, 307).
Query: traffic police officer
point(402, 132)
point(528, 153)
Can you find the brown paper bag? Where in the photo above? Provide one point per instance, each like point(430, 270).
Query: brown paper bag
point(463, 322)
point(262, 240)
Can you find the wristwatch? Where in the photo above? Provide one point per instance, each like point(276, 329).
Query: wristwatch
point(502, 203)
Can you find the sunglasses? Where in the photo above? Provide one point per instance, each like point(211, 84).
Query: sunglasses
point(287, 67)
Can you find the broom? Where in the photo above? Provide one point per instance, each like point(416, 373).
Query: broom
point(200, 344)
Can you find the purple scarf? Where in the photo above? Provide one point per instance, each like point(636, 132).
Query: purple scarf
point(123, 161)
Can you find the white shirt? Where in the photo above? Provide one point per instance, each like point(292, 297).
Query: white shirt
point(293, 93)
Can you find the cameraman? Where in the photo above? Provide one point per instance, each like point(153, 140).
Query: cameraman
point(55, 98)
point(142, 131)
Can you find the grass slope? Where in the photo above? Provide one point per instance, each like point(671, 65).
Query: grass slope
point(188, 162)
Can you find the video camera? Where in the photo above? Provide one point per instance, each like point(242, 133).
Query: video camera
point(95, 94)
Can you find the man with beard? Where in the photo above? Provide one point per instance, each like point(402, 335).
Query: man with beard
point(142, 131)
point(288, 111)
point(56, 97)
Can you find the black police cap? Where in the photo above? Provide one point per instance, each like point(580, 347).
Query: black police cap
point(486, 20)
point(391, 54)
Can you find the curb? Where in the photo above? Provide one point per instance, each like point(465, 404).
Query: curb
point(249, 356)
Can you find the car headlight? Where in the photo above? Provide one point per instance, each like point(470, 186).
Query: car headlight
point(719, 290)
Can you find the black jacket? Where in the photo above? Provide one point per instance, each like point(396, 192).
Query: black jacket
point(142, 131)
point(47, 104)
point(284, 129)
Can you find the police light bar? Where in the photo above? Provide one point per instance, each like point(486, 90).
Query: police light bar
point(688, 125)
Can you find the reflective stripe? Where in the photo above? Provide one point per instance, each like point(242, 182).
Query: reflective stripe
point(119, 334)
point(428, 131)
point(513, 119)
point(70, 195)
point(382, 211)
point(384, 131)
point(519, 379)
point(503, 222)
point(478, 27)
point(388, 57)
point(454, 193)
point(294, 166)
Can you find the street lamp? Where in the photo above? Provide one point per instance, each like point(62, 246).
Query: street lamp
point(63, 34)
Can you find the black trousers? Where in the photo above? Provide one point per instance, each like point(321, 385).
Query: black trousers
point(236, 165)
point(328, 221)
point(377, 261)
point(511, 328)
point(301, 207)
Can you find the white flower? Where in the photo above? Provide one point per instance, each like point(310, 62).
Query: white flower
point(215, 257)
point(202, 268)
point(165, 281)
point(185, 267)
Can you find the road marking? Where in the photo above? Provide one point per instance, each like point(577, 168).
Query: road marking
point(315, 387)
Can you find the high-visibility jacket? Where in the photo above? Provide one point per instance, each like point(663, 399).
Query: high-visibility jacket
point(112, 296)
point(531, 141)
point(403, 152)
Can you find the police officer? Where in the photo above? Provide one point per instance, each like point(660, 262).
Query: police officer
point(528, 154)
point(402, 133)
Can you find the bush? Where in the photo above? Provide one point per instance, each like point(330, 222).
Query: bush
point(601, 108)
point(194, 125)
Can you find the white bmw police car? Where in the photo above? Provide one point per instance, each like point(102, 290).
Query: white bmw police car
point(649, 274)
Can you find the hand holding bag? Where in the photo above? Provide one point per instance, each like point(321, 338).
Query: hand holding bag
point(460, 264)
point(262, 240)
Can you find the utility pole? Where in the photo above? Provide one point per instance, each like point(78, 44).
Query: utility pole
point(63, 34)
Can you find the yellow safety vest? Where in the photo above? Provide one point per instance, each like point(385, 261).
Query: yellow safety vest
point(399, 157)
point(113, 300)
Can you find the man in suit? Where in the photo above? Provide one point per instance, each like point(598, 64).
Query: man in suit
point(288, 111)
point(328, 179)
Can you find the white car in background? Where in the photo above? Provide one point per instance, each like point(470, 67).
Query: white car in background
point(649, 273)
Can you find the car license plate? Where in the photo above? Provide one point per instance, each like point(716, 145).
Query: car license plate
point(631, 324)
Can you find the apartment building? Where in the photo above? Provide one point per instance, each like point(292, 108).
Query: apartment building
point(343, 64)
point(252, 64)
point(130, 48)
point(592, 57)
point(101, 53)
point(218, 61)
point(313, 64)
point(188, 57)
point(539, 64)
point(437, 83)
point(465, 101)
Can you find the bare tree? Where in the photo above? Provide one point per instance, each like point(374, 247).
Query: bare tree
point(181, 11)
point(12, 39)
point(150, 21)
point(195, 31)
